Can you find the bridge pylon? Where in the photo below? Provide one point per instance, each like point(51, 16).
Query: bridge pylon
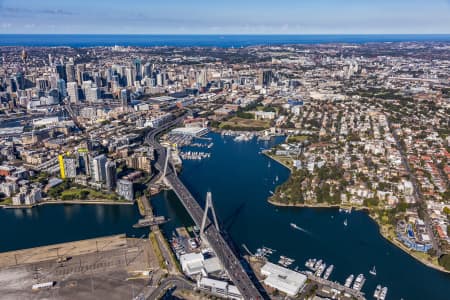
point(166, 163)
point(209, 205)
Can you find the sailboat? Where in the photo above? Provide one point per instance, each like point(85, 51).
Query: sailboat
point(373, 271)
point(345, 222)
point(276, 178)
point(268, 165)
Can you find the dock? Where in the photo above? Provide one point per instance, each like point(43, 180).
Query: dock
point(334, 285)
point(102, 266)
point(148, 222)
point(145, 208)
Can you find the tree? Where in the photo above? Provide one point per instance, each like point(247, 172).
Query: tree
point(244, 115)
point(84, 194)
point(446, 210)
point(444, 261)
point(269, 109)
point(371, 202)
point(402, 206)
point(432, 252)
point(446, 195)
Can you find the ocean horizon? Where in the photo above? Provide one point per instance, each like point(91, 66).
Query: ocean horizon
point(206, 40)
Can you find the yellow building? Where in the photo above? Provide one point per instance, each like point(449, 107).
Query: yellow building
point(61, 166)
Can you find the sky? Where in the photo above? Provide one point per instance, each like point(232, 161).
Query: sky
point(225, 17)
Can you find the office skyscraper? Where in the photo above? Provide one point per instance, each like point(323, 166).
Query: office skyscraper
point(70, 72)
point(111, 175)
point(124, 97)
point(83, 161)
point(72, 91)
point(61, 85)
point(98, 169)
point(61, 71)
point(130, 74)
point(79, 73)
point(148, 70)
point(138, 68)
point(92, 94)
point(67, 166)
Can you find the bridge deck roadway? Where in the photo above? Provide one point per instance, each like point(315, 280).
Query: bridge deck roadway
point(214, 238)
point(229, 260)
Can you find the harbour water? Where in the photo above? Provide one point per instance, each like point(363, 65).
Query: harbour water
point(240, 180)
point(50, 224)
point(240, 190)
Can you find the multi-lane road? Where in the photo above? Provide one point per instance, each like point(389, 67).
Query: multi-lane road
point(417, 193)
point(214, 237)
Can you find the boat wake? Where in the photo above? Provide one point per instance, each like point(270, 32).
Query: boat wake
point(300, 229)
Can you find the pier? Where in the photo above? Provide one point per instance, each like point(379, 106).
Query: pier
point(337, 286)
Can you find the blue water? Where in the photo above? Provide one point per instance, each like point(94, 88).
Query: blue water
point(50, 224)
point(240, 180)
point(84, 40)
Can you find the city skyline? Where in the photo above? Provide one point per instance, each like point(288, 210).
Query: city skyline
point(233, 17)
point(225, 150)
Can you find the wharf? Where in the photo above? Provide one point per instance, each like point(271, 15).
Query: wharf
point(99, 268)
point(257, 262)
point(53, 252)
point(356, 294)
point(145, 208)
point(148, 222)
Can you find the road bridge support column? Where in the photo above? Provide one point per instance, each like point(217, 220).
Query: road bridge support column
point(166, 163)
point(209, 205)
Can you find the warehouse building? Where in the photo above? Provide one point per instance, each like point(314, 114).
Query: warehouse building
point(283, 279)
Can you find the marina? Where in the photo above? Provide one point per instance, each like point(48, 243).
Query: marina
point(380, 292)
point(383, 293)
point(328, 271)
point(285, 261)
point(180, 140)
point(349, 280)
point(245, 137)
point(194, 155)
point(264, 252)
point(200, 145)
point(320, 269)
point(359, 282)
point(320, 275)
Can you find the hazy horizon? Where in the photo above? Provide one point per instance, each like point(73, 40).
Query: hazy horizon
point(231, 17)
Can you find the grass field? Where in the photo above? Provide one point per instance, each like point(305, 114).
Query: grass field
point(6, 201)
point(86, 193)
point(297, 138)
point(284, 160)
point(240, 123)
